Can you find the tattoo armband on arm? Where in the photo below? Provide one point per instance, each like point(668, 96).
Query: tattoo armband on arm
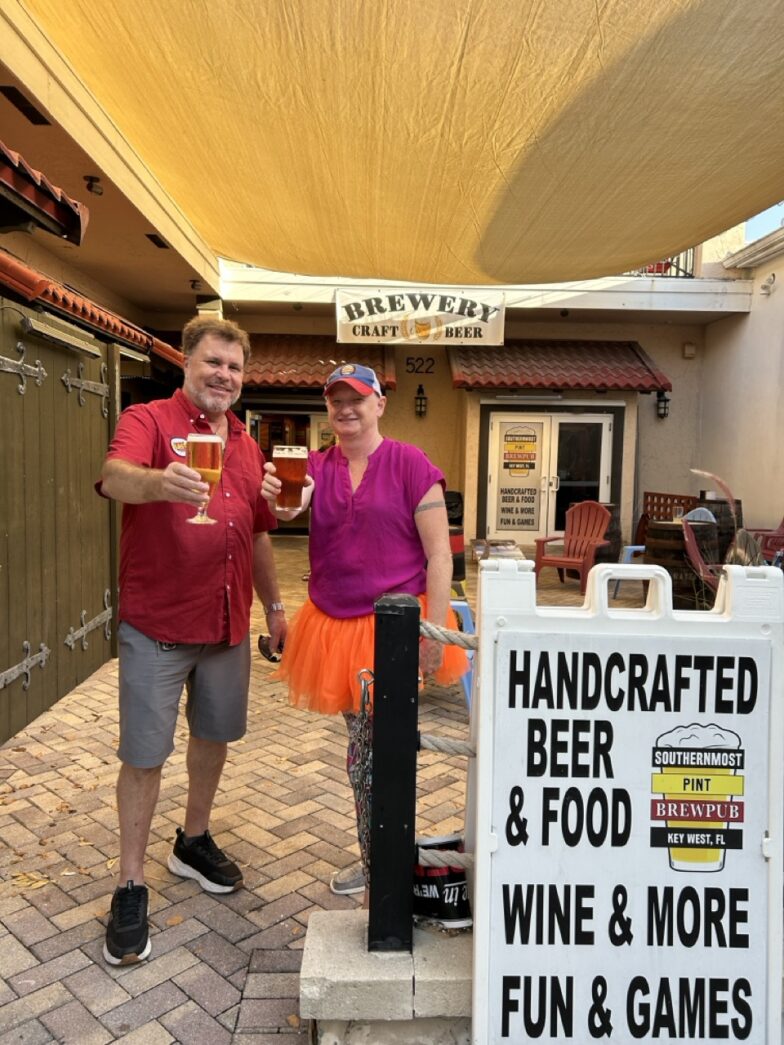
point(429, 504)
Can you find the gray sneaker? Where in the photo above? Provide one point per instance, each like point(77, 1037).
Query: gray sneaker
point(348, 881)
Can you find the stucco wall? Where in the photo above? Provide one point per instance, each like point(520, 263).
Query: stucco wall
point(441, 433)
point(743, 408)
point(30, 251)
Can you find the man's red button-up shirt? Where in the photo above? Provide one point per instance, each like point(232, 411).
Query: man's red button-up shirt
point(183, 583)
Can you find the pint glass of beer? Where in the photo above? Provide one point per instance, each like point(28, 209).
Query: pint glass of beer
point(205, 455)
point(291, 464)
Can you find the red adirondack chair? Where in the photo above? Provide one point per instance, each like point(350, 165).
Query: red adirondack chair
point(709, 573)
point(586, 525)
point(770, 541)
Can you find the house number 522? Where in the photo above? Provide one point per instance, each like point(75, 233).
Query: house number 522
point(420, 364)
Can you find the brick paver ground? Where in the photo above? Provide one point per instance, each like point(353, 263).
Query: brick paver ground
point(222, 969)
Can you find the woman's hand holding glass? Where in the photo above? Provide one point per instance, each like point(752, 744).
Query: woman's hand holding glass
point(270, 491)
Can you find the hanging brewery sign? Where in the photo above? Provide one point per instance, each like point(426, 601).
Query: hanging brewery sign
point(405, 316)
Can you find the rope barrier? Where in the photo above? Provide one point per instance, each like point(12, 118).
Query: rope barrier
point(447, 636)
point(446, 745)
point(444, 858)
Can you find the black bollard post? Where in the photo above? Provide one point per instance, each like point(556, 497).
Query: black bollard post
point(393, 795)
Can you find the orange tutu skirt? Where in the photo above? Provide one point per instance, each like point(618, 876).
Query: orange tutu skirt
point(324, 654)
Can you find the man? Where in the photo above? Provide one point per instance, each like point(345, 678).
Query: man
point(378, 524)
point(185, 598)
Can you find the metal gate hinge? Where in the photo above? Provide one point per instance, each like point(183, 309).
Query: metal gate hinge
point(25, 370)
point(99, 388)
point(24, 666)
point(105, 618)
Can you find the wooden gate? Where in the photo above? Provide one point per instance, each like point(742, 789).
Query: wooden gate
point(57, 409)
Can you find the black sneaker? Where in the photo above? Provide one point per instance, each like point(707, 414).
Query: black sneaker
point(203, 860)
point(127, 935)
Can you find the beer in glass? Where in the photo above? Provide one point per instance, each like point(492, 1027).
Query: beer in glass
point(291, 464)
point(205, 455)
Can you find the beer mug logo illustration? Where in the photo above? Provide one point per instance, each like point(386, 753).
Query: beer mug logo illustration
point(697, 786)
point(420, 328)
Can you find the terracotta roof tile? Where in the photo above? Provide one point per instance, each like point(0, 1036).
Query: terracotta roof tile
point(35, 195)
point(302, 361)
point(37, 288)
point(614, 366)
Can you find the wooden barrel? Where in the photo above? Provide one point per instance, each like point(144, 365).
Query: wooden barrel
point(664, 546)
point(726, 527)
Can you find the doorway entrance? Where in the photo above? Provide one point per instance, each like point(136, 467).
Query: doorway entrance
point(539, 465)
point(291, 427)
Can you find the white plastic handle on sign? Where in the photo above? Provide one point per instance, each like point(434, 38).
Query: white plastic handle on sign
point(658, 602)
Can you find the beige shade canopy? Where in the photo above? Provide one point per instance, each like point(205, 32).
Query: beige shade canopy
point(446, 141)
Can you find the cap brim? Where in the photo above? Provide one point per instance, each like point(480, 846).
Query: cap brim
point(358, 386)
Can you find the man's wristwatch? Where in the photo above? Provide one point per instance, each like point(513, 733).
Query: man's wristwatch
point(274, 607)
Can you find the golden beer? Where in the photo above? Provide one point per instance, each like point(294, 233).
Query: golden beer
point(205, 456)
point(291, 465)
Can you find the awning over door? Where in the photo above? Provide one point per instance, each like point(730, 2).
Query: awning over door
point(28, 195)
point(602, 366)
point(296, 361)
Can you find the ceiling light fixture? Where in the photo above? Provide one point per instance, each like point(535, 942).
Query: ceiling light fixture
point(94, 184)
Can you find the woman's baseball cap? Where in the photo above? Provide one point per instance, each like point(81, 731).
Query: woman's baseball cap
point(361, 378)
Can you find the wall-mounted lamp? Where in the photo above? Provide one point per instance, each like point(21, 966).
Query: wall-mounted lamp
point(93, 183)
point(767, 284)
point(420, 402)
point(662, 405)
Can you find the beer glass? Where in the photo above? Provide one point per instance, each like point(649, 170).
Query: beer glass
point(291, 464)
point(205, 455)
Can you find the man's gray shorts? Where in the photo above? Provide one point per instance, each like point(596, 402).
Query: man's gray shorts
point(152, 676)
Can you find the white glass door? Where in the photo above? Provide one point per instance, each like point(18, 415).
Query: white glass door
point(541, 464)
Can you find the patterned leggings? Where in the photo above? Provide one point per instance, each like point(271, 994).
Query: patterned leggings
point(359, 766)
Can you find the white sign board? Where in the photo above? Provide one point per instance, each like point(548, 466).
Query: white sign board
point(628, 814)
point(403, 315)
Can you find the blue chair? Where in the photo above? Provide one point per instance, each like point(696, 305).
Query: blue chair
point(466, 619)
point(631, 551)
point(700, 515)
